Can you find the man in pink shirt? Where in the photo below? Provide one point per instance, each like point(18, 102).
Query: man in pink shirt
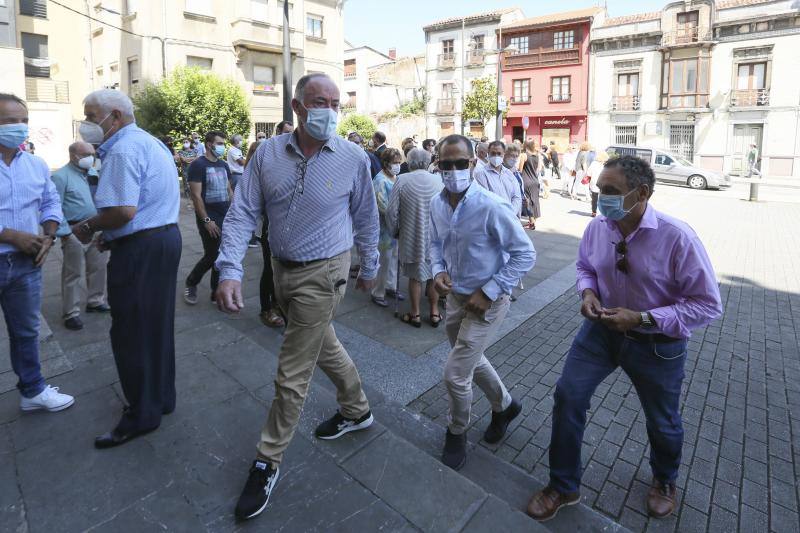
point(646, 283)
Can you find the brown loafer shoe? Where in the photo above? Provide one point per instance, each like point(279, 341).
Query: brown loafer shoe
point(661, 499)
point(545, 504)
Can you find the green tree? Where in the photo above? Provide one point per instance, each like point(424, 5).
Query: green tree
point(362, 124)
point(481, 102)
point(191, 99)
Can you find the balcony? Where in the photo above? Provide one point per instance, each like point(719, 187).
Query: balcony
point(543, 57)
point(46, 90)
point(476, 58)
point(524, 99)
point(625, 103)
point(750, 98)
point(446, 106)
point(678, 102)
point(349, 72)
point(260, 36)
point(33, 8)
point(447, 60)
point(559, 98)
point(684, 36)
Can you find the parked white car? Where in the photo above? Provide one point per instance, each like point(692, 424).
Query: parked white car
point(672, 168)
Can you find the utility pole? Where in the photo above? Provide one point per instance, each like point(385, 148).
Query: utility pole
point(463, 59)
point(287, 65)
point(498, 134)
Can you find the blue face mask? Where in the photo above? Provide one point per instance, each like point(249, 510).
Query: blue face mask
point(12, 135)
point(611, 206)
point(219, 150)
point(321, 122)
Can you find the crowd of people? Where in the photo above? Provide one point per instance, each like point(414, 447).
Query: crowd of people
point(449, 215)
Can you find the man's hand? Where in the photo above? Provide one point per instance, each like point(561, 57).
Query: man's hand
point(591, 307)
point(620, 319)
point(442, 283)
point(82, 236)
point(27, 243)
point(229, 296)
point(364, 284)
point(213, 229)
point(47, 242)
point(478, 303)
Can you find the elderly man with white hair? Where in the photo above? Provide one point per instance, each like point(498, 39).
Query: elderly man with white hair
point(137, 200)
point(408, 217)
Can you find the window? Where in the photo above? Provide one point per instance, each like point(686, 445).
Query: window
point(33, 8)
point(200, 7)
point(687, 31)
point(133, 74)
point(681, 140)
point(267, 128)
point(687, 84)
point(130, 7)
point(203, 62)
point(478, 42)
point(37, 61)
point(349, 68)
point(521, 91)
point(447, 46)
point(625, 135)
point(263, 78)
point(751, 76)
point(688, 19)
point(314, 26)
point(351, 99)
point(447, 90)
point(559, 89)
point(520, 43)
point(628, 84)
point(258, 10)
point(563, 39)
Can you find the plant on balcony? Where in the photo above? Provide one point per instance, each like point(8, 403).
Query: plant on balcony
point(414, 107)
point(191, 99)
point(481, 102)
point(362, 124)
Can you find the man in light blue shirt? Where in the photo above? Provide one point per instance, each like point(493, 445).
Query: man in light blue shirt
point(137, 200)
point(79, 260)
point(28, 199)
point(495, 177)
point(479, 253)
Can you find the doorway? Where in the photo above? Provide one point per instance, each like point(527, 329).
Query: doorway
point(743, 136)
point(518, 134)
point(559, 135)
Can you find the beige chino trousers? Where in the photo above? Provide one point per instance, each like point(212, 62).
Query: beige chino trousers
point(308, 297)
point(469, 337)
point(84, 265)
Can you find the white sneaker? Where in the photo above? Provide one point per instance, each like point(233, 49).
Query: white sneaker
point(49, 399)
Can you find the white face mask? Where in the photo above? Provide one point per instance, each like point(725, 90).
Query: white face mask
point(91, 132)
point(511, 163)
point(186, 146)
point(496, 160)
point(456, 181)
point(86, 162)
point(395, 169)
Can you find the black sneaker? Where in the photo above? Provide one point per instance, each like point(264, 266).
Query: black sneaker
point(337, 425)
point(500, 421)
point(255, 495)
point(454, 454)
point(74, 323)
point(254, 242)
point(190, 295)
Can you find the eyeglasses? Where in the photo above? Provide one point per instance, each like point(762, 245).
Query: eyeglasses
point(454, 164)
point(302, 166)
point(622, 263)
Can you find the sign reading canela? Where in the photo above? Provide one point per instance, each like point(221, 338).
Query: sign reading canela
point(552, 122)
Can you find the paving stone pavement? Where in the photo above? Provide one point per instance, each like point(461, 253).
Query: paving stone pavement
point(740, 399)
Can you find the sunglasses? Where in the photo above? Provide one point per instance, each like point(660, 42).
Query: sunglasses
point(454, 164)
point(622, 263)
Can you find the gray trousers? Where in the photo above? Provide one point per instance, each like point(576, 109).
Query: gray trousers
point(83, 270)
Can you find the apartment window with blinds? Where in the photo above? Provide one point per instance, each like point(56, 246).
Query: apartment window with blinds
point(133, 74)
point(314, 26)
point(563, 39)
point(33, 8)
point(520, 44)
point(37, 60)
point(522, 92)
point(625, 135)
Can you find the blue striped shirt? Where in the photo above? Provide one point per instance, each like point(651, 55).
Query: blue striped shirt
point(313, 205)
point(28, 197)
point(138, 171)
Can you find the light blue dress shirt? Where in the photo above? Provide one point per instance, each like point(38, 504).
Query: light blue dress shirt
point(28, 197)
point(480, 244)
point(138, 171)
point(76, 196)
point(502, 183)
point(316, 207)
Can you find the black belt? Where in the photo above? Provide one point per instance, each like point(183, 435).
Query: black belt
point(656, 338)
point(133, 236)
point(285, 263)
point(73, 222)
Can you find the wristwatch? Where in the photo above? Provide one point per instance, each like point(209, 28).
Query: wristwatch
point(647, 321)
point(206, 220)
point(87, 228)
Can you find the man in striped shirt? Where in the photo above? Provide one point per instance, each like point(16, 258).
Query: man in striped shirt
point(315, 189)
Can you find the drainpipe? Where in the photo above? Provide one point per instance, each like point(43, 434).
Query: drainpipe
point(91, 48)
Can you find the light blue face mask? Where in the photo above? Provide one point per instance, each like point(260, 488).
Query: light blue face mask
point(219, 150)
point(12, 135)
point(321, 122)
point(611, 206)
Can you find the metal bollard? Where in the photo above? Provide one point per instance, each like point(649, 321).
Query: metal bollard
point(753, 191)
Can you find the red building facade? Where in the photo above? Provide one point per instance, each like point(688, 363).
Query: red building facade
point(546, 77)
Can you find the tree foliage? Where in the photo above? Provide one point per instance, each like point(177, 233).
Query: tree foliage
point(362, 124)
point(481, 102)
point(191, 99)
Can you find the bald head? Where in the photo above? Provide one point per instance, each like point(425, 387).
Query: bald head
point(78, 150)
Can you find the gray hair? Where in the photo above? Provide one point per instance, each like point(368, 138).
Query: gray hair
point(482, 147)
point(300, 88)
point(109, 100)
point(418, 159)
point(512, 149)
point(236, 139)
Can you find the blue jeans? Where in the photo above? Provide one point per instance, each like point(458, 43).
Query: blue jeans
point(656, 371)
point(20, 299)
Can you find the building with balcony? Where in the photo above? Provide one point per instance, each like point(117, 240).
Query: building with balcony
point(703, 79)
point(546, 76)
point(458, 51)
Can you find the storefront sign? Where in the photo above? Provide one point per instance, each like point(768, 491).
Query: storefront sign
point(563, 122)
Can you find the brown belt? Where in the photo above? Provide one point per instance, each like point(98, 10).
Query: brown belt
point(285, 263)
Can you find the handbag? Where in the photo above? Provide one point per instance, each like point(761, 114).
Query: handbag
point(585, 180)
